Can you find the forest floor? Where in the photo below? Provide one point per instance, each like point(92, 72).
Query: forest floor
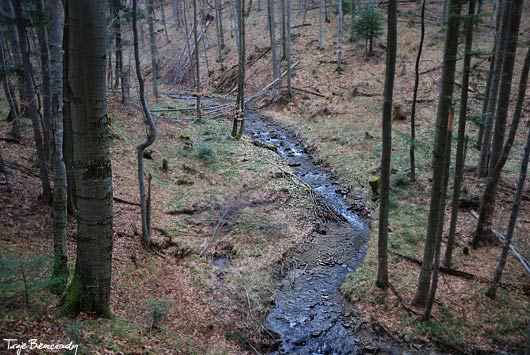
point(227, 219)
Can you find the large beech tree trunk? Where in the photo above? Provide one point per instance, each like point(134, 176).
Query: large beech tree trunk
point(89, 290)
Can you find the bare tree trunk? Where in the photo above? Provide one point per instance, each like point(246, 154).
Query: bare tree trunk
point(339, 40)
point(197, 60)
point(441, 212)
point(272, 29)
point(487, 204)
point(153, 45)
point(382, 247)
point(175, 4)
point(60, 212)
point(32, 105)
point(505, 86)
point(47, 123)
point(287, 4)
point(151, 132)
point(89, 290)
point(445, 99)
point(492, 292)
point(219, 27)
point(320, 6)
point(239, 118)
point(163, 13)
point(283, 30)
point(415, 96)
point(234, 23)
point(460, 157)
point(68, 141)
point(10, 95)
point(489, 117)
point(14, 38)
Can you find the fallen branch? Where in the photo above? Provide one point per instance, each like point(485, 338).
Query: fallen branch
point(444, 269)
point(307, 91)
point(262, 144)
point(121, 200)
point(447, 344)
point(524, 262)
point(269, 85)
point(409, 310)
point(225, 216)
point(10, 140)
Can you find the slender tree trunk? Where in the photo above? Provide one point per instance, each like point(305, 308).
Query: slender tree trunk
point(239, 119)
point(14, 38)
point(492, 292)
point(487, 204)
point(283, 31)
point(32, 105)
point(441, 212)
point(272, 29)
point(235, 29)
point(287, 5)
point(505, 87)
point(460, 157)
point(60, 212)
point(151, 132)
point(175, 5)
point(10, 95)
point(485, 103)
point(68, 141)
point(382, 248)
point(47, 123)
point(89, 290)
point(163, 13)
point(489, 118)
point(415, 96)
point(320, 6)
point(197, 60)
point(153, 46)
point(339, 39)
point(219, 27)
point(445, 99)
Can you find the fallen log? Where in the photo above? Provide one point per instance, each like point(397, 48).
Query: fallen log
point(524, 262)
point(443, 269)
point(121, 200)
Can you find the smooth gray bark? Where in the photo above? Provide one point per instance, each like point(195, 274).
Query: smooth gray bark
point(489, 117)
point(415, 96)
point(151, 132)
point(89, 290)
point(386, 155)
point(487, 204)
point(60, 212)
point(272, 30)
point(339, 39)
point(153, 45)
point(287, 26)
point(238, 126)
point(445, 100)
point(460, 158)
point(10, 95)
point(197, 59)
point(31, 106)
point(492, 292)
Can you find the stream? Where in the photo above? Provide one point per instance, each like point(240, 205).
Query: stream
point(309, 315)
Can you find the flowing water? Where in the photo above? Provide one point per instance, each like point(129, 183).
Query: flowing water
point(309, 315)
